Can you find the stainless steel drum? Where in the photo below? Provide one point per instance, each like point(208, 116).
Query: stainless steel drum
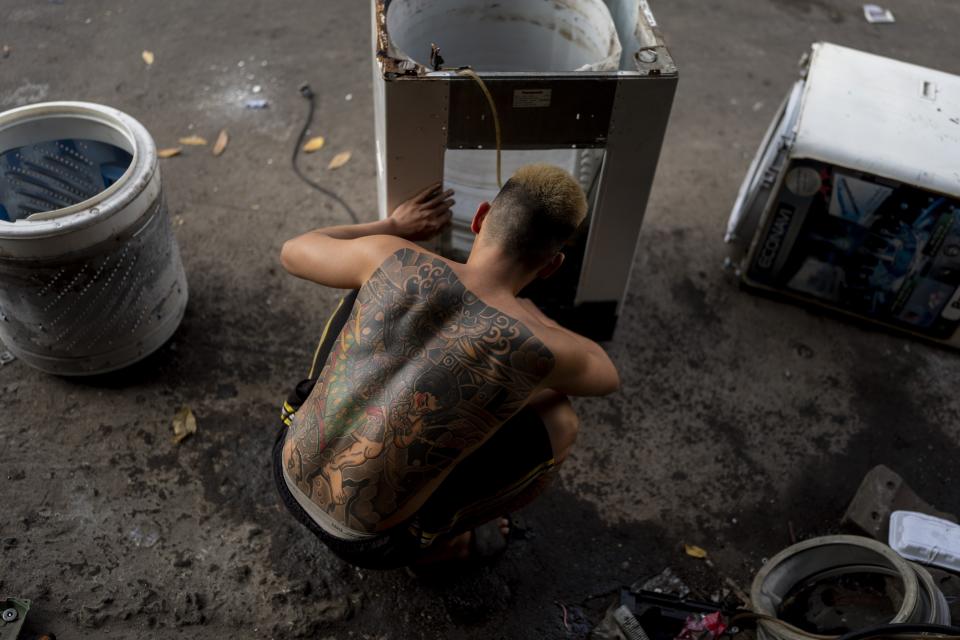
point(90, 273)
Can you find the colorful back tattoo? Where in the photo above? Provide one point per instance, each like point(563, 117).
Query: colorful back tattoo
point(422, 371)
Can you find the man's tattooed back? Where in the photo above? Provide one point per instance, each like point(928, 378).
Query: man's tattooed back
point(422, 373)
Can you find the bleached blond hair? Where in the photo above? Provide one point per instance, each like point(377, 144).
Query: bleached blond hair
point(536, 213)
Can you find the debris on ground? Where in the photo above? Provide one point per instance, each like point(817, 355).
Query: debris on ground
point(169, 152)
point(339, 160)
point(257, 103)
point(144, 536)
point(875, 14)
point(13, 612)
point(694, 551)
point(147, 56)
point(5, 51)
point(221, 144)
point(348, 97)
point(882, 491)
point(6, 357)
point(193, 141)
point(737, 591)
point(926, 539)
point(700, 626)
point(664, 582)
point(653, 615)
point(313, 144)
point(573, 619)
point(184, 424)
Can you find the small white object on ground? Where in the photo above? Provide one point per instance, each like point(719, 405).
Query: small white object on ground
point(925, 539)
point(875, 14)
point(257, 88)
point(348, 97)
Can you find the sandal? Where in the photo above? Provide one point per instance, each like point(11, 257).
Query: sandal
point(487, 544)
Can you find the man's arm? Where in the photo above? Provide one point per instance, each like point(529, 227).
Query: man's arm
point(582, 367)
point(344, 256)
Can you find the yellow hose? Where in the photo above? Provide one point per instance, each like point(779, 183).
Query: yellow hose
point(470, 73)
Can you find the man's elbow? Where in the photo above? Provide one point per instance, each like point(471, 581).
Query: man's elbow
point(604, 378)
point(288, 256)
point(611, 382)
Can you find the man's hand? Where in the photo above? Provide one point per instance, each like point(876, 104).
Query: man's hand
point(424, 215)
point(344, 256)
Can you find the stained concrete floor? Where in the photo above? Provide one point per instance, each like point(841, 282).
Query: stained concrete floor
point(739, 416)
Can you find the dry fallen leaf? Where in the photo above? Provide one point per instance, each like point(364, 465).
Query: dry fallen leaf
point(694, 551)
point(339, 160)
point(184, 423)
point(313, 144)
point(221, 142)
point(193, 141)
point(169, 153)
point(147, 57)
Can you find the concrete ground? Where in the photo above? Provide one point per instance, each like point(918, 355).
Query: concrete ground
point(739, 417)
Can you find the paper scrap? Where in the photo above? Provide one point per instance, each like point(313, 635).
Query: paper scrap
point(313, 144)
point(147, 57)
point(694, 551)
point(339, 160)
point(875, 14)
point(184, 423)
point(169, 152)
point(193, 141)
point(221, 143)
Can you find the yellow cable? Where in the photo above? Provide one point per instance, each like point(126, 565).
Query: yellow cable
point(326, 329)
point(493, 108)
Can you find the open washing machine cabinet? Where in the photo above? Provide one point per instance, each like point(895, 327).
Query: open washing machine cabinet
point(853, 199)
point(584, 84)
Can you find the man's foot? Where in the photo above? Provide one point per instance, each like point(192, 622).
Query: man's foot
point(482, 544)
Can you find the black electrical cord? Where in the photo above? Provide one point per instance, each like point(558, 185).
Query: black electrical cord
point(899, 630)
point(307, 93)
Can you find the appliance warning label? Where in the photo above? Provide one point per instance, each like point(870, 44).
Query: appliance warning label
point(531, 98)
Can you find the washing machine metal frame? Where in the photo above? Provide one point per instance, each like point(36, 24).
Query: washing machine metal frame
point(856, 174)
point(420, 113)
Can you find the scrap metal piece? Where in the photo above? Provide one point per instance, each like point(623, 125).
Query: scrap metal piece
point(882, 492)
point(13, 613)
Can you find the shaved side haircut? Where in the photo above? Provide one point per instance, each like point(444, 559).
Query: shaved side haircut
point(535, 213)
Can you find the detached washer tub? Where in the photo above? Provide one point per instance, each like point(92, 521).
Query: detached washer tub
point(810, 572)
point(90, 273)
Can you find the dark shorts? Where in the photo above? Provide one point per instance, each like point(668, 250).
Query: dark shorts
point(479, 488)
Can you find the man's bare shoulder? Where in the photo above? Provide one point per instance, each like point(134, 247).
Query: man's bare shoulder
point(542, 328)
point(564, 346)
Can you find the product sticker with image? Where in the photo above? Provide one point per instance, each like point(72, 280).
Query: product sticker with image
point(866, 245)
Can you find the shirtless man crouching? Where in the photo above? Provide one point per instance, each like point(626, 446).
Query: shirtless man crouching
point(442, 402)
